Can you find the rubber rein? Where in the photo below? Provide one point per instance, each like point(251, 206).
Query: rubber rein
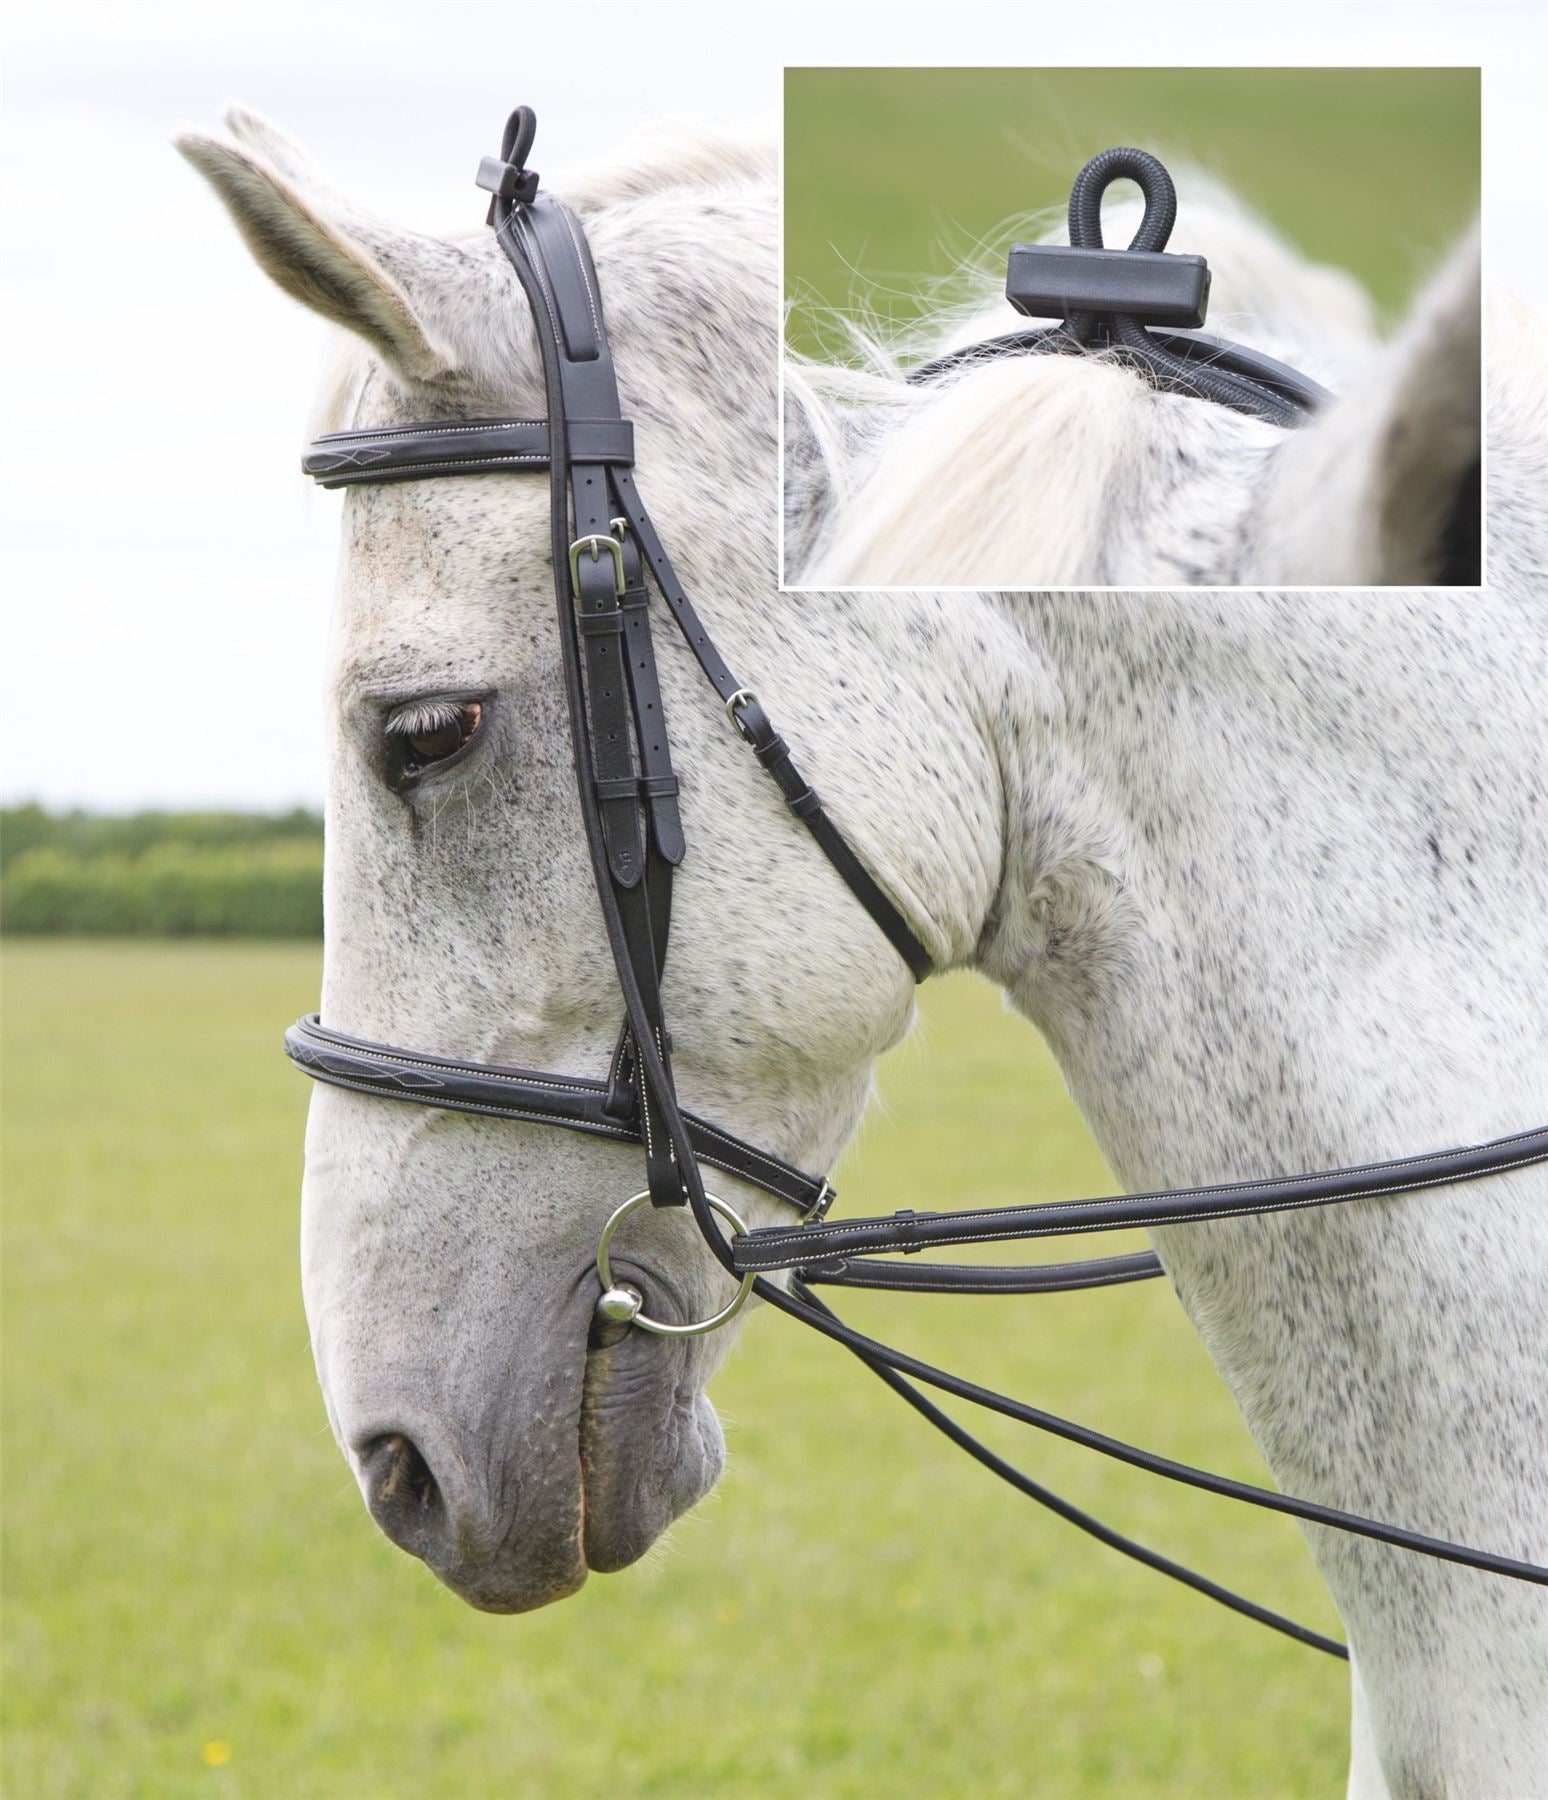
point(605, 552)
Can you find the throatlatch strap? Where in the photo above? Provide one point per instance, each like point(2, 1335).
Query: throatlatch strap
point(757, 729)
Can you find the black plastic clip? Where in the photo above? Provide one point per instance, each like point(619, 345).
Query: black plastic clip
point(1051, 281)
point(506, 182)
point(507, 176)
point(822, 1205)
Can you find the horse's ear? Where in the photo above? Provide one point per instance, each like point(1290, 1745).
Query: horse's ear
point(313, 246)
point(277, 148)
point(1384, 487)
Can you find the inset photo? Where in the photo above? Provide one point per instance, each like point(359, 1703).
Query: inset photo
point(1132, 328)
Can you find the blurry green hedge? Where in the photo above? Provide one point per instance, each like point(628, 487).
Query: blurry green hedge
point(24, 828)
point(165, 874)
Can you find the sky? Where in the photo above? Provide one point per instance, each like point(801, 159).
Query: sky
point(167, 571)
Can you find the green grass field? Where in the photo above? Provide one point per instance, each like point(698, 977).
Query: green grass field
point(196, 1603)
point(895, 176)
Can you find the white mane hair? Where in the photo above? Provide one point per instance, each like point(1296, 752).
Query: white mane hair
point(1055, 471)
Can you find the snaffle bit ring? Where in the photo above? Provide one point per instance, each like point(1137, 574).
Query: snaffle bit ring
point(627, 1310)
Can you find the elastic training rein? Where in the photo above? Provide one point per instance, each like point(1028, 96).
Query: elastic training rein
point(604, 547)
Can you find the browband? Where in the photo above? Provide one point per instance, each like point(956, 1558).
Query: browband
point(457, 447)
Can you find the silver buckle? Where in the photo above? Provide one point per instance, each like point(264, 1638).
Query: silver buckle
point(596, 543)
point(740, 698)
point(826, 1195)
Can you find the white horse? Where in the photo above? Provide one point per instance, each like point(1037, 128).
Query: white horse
point(1268, 873)
point(1061, 471)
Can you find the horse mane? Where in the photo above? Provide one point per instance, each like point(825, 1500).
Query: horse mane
point(1013, 463)
point(674, 153)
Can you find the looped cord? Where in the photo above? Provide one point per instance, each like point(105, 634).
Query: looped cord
point(517, 138)
point(1121, 332)
point(1149, 174)
point(1193, 365)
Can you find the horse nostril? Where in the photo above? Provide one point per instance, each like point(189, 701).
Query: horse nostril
point(403, 1494)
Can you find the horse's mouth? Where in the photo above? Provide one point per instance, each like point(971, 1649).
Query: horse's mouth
point(588, 1445)
point(650, 1443)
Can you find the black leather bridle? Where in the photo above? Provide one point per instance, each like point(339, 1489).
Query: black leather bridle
point(604, 550)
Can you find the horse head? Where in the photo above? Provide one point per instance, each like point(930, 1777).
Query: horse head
point(448, 1260)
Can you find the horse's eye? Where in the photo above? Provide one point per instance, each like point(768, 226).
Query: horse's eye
point(430, 731)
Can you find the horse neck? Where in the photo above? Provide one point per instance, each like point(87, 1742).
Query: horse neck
point(1274, 896)
point(1305, 837)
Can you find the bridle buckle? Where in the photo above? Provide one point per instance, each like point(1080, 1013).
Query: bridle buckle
point(597, 542)
point(741, 697)
point(826, 1195)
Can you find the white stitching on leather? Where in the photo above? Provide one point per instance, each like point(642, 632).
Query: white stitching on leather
point(866, 1278)
point(789, 1176)
point(471, 466)
point(536, 264)
point(498, 1112)
point(1258, 1187)
point(479, 1071)
point(455, 427)
point(736, 1143)
point(655, 1032)
point(580, 260)
point(754, 1255)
